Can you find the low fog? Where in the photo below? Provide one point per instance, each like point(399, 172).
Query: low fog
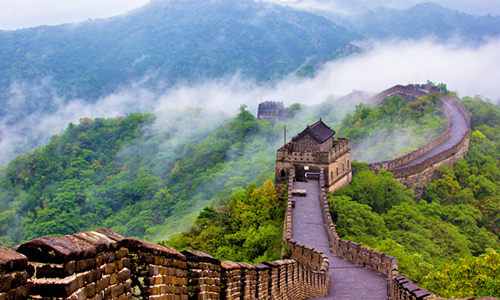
point(470, 71)
point(30, 13)
point(477, 7)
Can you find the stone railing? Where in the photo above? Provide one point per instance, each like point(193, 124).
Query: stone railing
point(401, 287)
point(104, 265)
point(399, 161)
point(418, 175)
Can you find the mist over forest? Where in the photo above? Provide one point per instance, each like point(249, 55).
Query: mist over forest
point(145, 123)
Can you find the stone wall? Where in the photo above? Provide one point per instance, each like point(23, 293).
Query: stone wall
point(371, 259)
point(313, 265)
point(13, 275)
point(418, 175)
point(104, 265)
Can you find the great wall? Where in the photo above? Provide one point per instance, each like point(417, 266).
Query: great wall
point(418, 168)
point(104, 265)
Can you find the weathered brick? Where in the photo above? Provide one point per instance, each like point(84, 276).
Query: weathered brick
point(114, 291)
point(102, 284)
point(93, 276)
point(85, 265)
point(51, 287)
point(109, 268)
point(121, 253)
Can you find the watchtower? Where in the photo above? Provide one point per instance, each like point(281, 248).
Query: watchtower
point(272, 111)
point(313, 149)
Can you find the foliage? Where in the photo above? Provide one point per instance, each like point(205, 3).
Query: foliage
point(424, 20)
point(131, 175)
point(144, 175)
point(247, 228)
point(474, 276)
point(448, 241)
point(393, 128)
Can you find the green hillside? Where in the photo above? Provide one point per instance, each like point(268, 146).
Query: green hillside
point(448, 242)
point(168, 41)
point(427, 20)
point(144, 175)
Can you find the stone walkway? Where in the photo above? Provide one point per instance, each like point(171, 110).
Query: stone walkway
point(459, 126)
point(347, 280)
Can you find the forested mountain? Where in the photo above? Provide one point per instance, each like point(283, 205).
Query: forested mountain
point(187, 42)
point(143, 175)
point(476, 7)
point(427, 20)
point(170, 41)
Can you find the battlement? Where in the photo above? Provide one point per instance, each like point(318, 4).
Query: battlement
point(104, 265)
point(272, 111)
point(416, 176)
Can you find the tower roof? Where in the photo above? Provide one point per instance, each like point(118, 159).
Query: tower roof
point(318, 131)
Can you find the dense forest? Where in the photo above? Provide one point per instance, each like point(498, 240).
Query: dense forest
point(143, 175)
point(386, 131)
point(148, 175)
point(131, 174)
point(449, 240)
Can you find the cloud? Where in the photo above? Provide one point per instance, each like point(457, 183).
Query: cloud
point(477, 7)
point(470, 71)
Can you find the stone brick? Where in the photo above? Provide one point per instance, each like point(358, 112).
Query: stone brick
point(57, 249)
point(93, 276)
point(114, 291)
point(126, 262)
point(54, 270)
point(18, 293)
point(12, 280)
point(109, 268)
point(51, 287)
point(121, 253)
point(85, 265)
point(123, 275)
point(11, 261)
point(102, 284)
point(113, 279)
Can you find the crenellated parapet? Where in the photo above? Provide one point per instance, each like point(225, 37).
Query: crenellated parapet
point(102, 264)
point(445, 149)
point(371, 259)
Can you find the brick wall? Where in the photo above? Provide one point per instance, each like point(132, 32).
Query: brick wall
point(313, 264)
point(104, 265)
point(13, 275)
point(417, 176)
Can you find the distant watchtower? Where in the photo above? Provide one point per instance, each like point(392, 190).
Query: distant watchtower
point(313, 149)
point(272, 111)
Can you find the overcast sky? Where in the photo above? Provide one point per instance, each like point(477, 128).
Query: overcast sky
point(16, 14)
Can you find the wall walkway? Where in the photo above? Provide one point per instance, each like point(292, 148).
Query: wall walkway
point(345, 277)
point(418, 168)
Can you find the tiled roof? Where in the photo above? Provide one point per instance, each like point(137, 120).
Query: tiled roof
point(318, 131)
